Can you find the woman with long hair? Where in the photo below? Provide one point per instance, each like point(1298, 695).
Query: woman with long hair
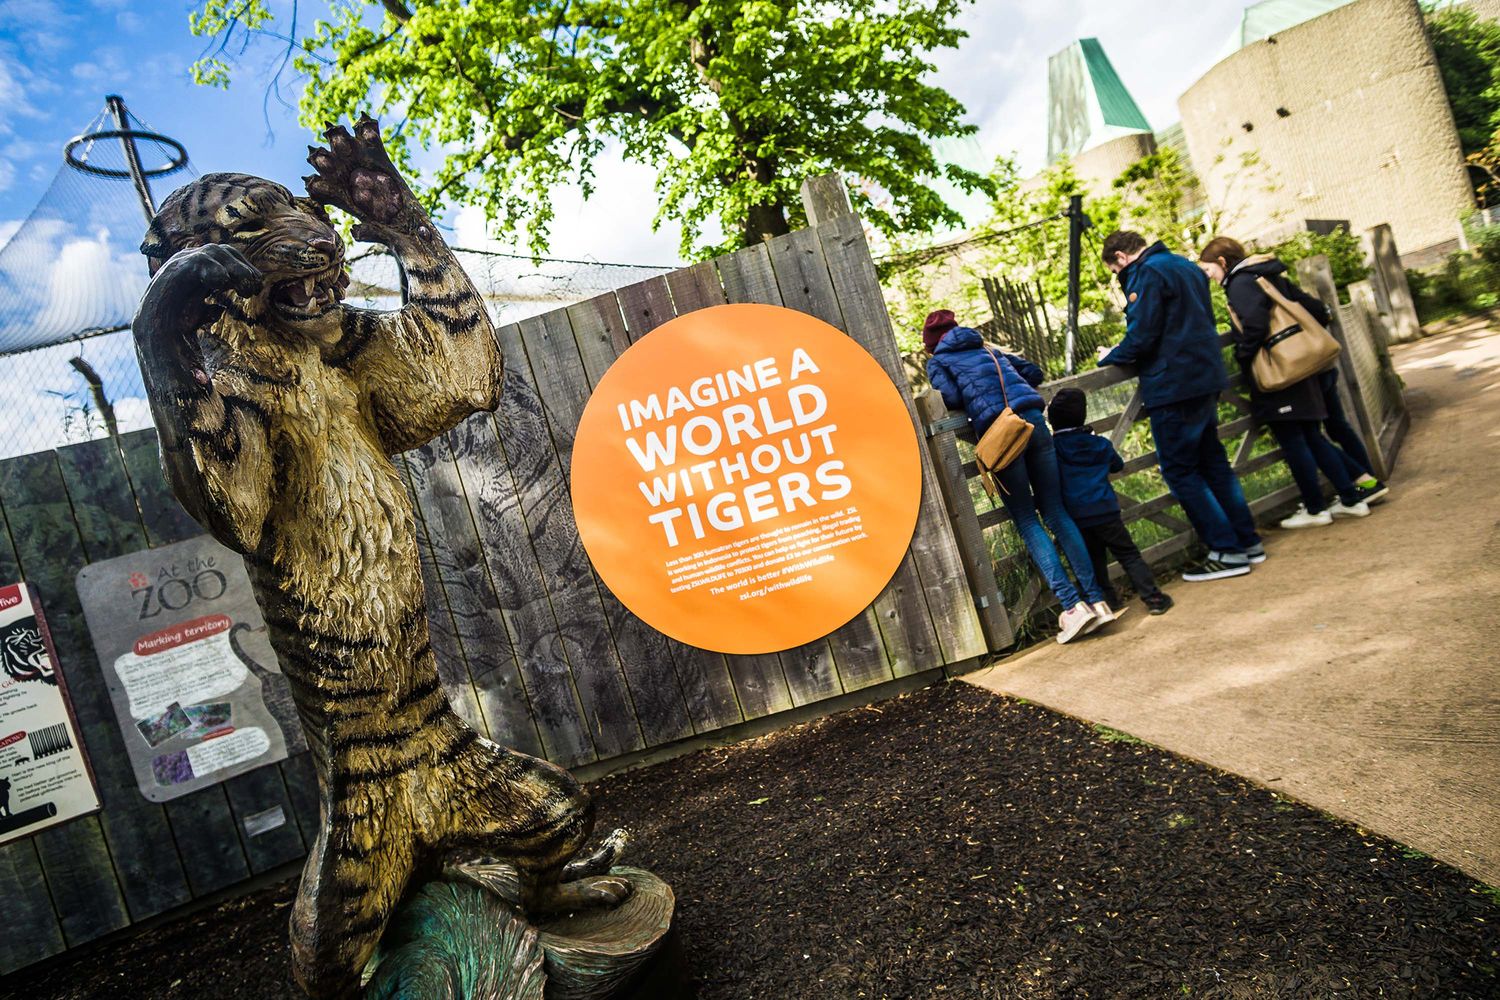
point(982, 382)
point(1296, 413)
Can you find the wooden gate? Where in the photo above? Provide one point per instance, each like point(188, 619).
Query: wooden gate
point(533, 650)
point(1371, 394)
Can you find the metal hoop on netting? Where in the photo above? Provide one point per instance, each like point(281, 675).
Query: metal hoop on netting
point(177, 162)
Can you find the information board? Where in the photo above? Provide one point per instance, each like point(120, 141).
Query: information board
point(195, 685)
point(746, 478)
point(44, 776)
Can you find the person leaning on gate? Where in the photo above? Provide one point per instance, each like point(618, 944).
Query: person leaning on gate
point(1295, 413)
point(1084, 463)
point(1173, 343)
point(983, 383)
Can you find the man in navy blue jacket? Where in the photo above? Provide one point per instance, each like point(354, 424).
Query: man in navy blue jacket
point(1173, 343)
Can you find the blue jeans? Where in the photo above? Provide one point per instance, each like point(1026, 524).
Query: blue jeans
point(1351, 447)
point(1307, 451)
point(1197, 472)
point(1029, 482)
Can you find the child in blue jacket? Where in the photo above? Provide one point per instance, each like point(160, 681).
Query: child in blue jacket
point(1085, 462)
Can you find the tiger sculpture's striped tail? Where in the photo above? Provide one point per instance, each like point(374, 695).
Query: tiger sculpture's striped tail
point(278, 408)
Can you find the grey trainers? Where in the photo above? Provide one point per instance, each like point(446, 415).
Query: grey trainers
point(1218, 566)
point(1256, 553)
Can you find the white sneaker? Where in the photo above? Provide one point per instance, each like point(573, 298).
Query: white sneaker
point(1360, 509)
point(1072, 622)
point(1103, 615)
point(1302, 519)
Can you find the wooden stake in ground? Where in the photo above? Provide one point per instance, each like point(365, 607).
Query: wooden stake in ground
point(278, 408)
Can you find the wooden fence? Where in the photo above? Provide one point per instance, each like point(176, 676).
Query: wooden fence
point(1370, 390)
point(533, 650)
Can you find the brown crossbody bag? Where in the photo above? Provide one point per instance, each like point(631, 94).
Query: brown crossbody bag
point(1004, 440)
point(1297, 347)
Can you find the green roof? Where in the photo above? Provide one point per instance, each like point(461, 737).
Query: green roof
point(1115, 103)
point(1087, 104)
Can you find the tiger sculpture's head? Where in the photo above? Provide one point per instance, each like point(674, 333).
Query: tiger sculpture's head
point(23, 652)
point(289, 239)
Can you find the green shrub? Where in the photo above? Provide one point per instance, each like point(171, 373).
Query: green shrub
point(1463, 283)
point(1345, 255)
point(1487, 245)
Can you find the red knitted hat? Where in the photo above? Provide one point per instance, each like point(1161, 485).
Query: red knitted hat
point(938, 323)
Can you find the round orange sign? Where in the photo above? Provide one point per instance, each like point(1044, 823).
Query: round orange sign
point(746, 478)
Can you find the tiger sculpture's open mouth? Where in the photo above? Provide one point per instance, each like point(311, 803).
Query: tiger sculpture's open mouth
point(308, 296)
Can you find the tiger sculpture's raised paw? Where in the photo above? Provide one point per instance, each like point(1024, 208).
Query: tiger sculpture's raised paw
point(356, 174)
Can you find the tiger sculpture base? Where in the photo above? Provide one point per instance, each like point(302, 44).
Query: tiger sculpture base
point(278, 409)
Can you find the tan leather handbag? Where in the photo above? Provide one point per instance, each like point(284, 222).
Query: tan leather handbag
point(1297, 347)
point(1004, 440)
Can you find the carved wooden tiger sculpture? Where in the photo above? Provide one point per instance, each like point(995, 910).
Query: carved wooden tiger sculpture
point(278, 408)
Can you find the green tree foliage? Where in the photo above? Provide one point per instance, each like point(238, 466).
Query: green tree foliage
point(1158, 196)
point(1468, 56)
point(732, 102)
point(1346, 255)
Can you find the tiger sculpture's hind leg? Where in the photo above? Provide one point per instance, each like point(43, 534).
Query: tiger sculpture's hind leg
point(387, 839)
point(527, 811)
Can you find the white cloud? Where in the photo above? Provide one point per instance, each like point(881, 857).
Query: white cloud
point(613, 226)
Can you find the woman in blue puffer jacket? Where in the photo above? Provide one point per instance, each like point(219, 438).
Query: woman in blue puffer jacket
point(968, 375)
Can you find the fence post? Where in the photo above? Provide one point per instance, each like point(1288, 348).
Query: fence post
point(943, 447)
point(1393, 292)
point(824, 198)
point(1316, 275)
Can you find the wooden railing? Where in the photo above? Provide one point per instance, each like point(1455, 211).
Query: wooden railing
point(1372, 400)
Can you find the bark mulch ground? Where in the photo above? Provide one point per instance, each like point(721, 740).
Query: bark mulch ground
point(951, 843)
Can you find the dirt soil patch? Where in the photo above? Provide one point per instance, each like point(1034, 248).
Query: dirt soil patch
point(953, 843)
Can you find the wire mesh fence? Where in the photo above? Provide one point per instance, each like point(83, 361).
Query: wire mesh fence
point(71, 274)
point(49, 399)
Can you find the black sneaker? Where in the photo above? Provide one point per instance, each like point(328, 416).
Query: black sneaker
point(1372, 494)
point(1217, 567)
point(1158, 603)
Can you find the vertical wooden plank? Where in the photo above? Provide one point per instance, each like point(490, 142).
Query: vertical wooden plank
point(521, 590)
point(543, 494)
point(267, 825)
point(650, 672)
point(302, 790)
point(599, 331)
point(146, 860)
point(208, 839)
point(22, 883)
point(896, 624)
point(825, 197)
point(1316, 274)
point(749, 277)
point(163, 517)
point(434, 558)
point(28, 908)
point(707, 687)
point(759, 680)
point(954, 483)
point(478, 639)
point(933, 547)
point(80, 873)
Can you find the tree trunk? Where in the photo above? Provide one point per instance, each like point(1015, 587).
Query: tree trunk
point(765, 221)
